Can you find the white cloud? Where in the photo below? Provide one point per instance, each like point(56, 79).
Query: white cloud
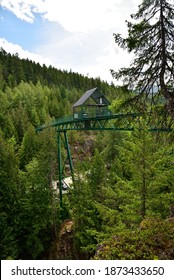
point(25, 9)
point(84, 43)
point(80, 15)
point(75, 15)
point(92, 52)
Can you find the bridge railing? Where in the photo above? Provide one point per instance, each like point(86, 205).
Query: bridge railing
point(83, 114)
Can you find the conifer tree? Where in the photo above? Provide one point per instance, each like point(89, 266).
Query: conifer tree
point(9, 193)
point(151, 40)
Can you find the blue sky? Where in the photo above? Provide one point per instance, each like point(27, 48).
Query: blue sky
point(68, 34)
point(18, 31)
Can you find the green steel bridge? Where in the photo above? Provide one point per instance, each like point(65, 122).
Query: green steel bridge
point(93, 117)
point(104, 121)
point(92, 122)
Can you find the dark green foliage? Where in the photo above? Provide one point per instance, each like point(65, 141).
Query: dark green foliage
point(97, 172)
point(84, 214)
point(9, 197)
point(13, 70)
point(29, 207)
point(123, 176)
point(35, 213)
point(29, 147)
point(129, 177)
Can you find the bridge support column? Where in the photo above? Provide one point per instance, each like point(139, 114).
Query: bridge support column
point(69, 155)
point(59, 169)
point(61, 165)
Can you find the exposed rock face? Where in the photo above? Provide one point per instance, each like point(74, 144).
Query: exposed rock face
point(84, 148)
point(64, 246)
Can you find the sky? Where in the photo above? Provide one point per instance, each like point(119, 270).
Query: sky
point(74, 35)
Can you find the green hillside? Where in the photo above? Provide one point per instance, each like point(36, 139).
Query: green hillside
point(124, 185)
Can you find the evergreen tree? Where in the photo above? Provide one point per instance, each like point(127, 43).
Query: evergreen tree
point(161, 191)
point(9, 197)
point(97, 172)
point(146, 163)
point(34, 223)
point(85, 216)
point(152, 41)
point(29, 146)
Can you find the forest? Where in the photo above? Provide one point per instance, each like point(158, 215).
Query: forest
point(121, 205)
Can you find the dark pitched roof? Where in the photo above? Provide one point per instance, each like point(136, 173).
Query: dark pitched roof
point(95, 94)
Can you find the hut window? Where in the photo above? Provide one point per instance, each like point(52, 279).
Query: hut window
point(101, 101)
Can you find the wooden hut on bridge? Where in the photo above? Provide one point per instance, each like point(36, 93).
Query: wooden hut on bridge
point(92, 103)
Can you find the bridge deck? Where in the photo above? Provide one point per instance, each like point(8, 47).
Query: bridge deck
point(102, 121)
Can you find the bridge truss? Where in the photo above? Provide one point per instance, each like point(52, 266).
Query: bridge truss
point(114, 122)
